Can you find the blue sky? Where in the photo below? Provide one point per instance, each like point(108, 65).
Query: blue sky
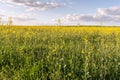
point(71, 12)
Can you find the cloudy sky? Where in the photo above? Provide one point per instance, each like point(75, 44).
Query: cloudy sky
point(71, 12)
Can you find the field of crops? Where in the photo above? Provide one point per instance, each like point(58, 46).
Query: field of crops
point(59, 53)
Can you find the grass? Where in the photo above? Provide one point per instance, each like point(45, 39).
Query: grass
point(59, 53)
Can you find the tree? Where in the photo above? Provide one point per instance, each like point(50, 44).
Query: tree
point(59, 22)
point(101, 23)
point(0, 20)
point(79, 24)
point(10, 22)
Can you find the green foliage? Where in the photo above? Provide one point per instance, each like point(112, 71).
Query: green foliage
point(58, 54)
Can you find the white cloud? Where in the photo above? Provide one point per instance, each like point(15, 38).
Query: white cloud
point(34, 4)
point(115, 11)
point(111, 14)
point(19, 19)
point(1, 15)
point(24, 17)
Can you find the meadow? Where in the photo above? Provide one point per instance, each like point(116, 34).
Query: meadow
point(59, 53)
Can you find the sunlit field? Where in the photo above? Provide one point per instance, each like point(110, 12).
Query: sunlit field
point(59, 53)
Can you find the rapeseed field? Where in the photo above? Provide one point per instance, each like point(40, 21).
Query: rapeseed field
point(59, 53)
